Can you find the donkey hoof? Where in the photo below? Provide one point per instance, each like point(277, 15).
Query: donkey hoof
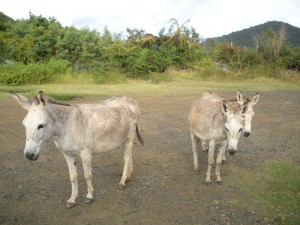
point(88, 200)
point(196, 169)
point(208, 183)
point(127, 180)
point(70, 205)
point(220, 182)
point(121, 186)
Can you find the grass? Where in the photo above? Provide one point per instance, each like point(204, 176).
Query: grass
point(145, 88)
point(276, 188)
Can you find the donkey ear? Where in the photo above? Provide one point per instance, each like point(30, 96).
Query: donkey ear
point(254, 100)
point(240, 97)
point(42, 98)
point(243, 109)
point(225, 107)
point(23, 101)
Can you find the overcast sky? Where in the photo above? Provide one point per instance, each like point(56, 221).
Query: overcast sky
point(210, 18)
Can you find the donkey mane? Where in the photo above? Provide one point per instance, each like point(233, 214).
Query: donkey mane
point(110, 99)
point(54, 102)
point(247, 99)
point(51, 101)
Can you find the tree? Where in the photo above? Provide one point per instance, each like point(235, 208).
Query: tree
point(70, 46)
point(32, 40)
point(134, 35)
point(180, 44)
point(269, 44)
point(80, 47)
point(90, 46)
point(237, 57)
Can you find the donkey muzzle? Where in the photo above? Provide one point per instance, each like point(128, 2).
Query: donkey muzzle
point(31, 156)
point(232, 151)
point(246, 134)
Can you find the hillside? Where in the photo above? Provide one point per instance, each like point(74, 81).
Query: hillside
point(4, 20)
point(246, 37)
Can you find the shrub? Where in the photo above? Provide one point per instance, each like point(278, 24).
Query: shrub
point(103, 75)
point(144, 61)
point(18, 74)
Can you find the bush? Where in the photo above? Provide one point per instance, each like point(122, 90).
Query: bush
point(103, 75)
point(144, 61)
point(294, 61)
point(18, 74)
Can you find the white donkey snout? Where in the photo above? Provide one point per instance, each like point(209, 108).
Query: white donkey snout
point(232, 146)
point(31, 156)
point(32, 149)
point(232, 151)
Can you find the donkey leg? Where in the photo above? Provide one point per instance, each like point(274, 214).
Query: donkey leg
point(195, 151)
point(86, 158)
point(73, 178)
point(220, 156)
point(211, 161)
point(128, 165)
point(128, 151)
point(204, 146)
point(223, 157)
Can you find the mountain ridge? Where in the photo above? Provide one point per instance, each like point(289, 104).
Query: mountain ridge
point(246, 36)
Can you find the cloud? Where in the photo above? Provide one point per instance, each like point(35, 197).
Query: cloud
point(210, 18)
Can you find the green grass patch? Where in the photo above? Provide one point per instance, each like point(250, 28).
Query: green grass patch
point(276, 188)
point(145, 88)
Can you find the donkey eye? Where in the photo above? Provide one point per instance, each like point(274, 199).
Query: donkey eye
point(41, 126)
point(240, 130)
point(226, 129)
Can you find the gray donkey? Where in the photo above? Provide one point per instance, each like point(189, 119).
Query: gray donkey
point(80, 130)
point(249, 113)
point(218, 123)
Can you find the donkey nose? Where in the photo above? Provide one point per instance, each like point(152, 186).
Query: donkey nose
point(232, 151)
point(246, 134)
point(31, 156)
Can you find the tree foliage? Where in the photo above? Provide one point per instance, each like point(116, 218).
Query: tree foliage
point(40, 42)
point(270, 44)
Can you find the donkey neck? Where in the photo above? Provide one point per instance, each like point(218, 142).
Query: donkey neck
point(59, 113)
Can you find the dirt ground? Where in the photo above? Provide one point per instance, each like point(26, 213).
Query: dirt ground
point(163, 189)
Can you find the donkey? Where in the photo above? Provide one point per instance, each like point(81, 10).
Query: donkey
point(248, 114)
point(80, 130)
point(218, 123)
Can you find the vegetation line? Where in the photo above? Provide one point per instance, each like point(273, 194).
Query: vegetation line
point(40, 50)
point(143, 88)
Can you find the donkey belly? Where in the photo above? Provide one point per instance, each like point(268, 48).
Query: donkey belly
point(96, 145)
point(107, 145)
point(206, 138)
point(210, 134)
point(106, 141)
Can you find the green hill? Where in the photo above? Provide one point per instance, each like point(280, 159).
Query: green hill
point(246, 37)
point(4, 21)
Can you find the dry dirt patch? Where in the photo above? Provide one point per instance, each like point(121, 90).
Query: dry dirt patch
point(164, 189)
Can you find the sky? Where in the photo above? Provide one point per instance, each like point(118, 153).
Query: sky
point(210, 18)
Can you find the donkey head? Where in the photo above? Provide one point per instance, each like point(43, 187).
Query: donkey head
point(249, 113)
point(35, 122)
point(234, 124)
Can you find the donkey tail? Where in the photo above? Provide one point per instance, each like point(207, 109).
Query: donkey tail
point(139, 135)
